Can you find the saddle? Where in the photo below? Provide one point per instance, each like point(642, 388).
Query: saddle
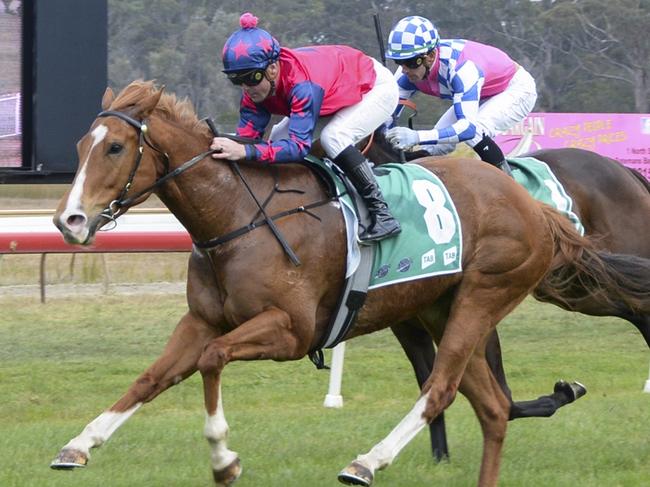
point(430, 242)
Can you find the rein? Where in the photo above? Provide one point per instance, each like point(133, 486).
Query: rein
point(113, 211)
point(269, 221)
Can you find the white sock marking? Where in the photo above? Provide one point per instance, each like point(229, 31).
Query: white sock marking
point(216, 432)
point(100, 429)
point(384, 452)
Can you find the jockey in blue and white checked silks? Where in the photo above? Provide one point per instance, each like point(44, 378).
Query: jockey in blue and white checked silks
point(488, 90)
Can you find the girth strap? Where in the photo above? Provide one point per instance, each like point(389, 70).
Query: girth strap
point(353, 296)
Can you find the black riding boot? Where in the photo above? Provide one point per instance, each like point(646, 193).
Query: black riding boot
point(488, 150)
point(358, 170)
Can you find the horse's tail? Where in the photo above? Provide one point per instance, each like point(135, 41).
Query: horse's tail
point(579, 271)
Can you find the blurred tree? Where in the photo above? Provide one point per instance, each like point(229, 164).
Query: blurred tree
point(607, 40)
point(586, 55)
point(178, 43)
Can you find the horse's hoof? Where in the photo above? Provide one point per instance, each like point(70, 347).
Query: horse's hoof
point(573, 390)
point(356, 474)
point(228, 475)
point(67, 459)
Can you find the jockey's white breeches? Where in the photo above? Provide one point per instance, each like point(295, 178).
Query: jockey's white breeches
point(496, 114)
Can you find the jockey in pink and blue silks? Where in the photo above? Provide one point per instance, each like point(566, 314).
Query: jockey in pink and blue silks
point(488, 90)
point(345, 90)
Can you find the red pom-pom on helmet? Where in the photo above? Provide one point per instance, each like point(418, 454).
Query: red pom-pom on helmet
point(248, 21)
point(249, 47)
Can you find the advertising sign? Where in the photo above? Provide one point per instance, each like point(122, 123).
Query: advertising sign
point(624, 137)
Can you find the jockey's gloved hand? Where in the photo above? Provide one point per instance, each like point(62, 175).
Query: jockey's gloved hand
point(402, 137)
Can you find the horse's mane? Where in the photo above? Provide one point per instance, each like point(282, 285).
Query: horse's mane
point(180, 111)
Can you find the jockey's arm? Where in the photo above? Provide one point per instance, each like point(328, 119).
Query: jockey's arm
point(466, 88)
point(253, 119)
point(305, 101)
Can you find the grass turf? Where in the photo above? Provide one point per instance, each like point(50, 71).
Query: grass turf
point(64, 362)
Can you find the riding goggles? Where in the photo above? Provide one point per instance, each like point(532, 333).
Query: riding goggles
point(249, 78)
point(411, 63)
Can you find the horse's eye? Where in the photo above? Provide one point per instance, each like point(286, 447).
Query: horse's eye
point(115, 148)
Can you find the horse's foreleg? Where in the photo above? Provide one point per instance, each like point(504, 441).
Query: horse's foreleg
point(177, 362)
point(226, 467)
point(544, 406)
point(269, 335)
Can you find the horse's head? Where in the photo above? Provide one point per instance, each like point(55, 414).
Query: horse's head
point(113, 164)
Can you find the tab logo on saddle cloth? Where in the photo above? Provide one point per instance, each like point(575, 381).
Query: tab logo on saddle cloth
point(431, 240)
point(429, 259)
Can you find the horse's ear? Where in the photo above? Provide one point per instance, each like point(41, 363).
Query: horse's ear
point(146, 106)
point(108, 98)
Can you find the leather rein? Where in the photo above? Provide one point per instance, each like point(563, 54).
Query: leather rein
point(115, 207)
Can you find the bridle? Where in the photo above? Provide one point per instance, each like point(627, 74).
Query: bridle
point(115, 207)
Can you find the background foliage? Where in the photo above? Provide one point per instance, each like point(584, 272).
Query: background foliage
point(586, 55)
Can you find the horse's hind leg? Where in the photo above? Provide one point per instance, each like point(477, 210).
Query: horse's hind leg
point(490, 404)
point(362, 470)
point(177, 362)
point(419, 349)
point(491, 407)
point(421, 353)
point(418, 346)
point(461, 336)
point(642, 322)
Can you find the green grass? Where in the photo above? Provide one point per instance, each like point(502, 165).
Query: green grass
point(116, 268)
point(64, 362)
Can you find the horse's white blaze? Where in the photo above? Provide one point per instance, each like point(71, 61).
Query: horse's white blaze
point(73, 205)
point(100, 429)
point(216, 432)
point(383, 453)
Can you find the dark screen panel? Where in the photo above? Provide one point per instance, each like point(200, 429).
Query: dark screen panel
point(70, 78)
point(63, 74)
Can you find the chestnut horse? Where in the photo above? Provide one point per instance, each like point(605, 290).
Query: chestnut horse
point(613, 204)
point(248, 301)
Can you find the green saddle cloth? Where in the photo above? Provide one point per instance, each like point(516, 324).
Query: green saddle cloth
point(430, 243)
point(541, 183)
point(431, 239)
